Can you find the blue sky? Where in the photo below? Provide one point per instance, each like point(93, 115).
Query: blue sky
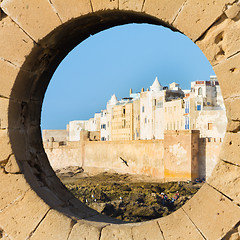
point(115, 60)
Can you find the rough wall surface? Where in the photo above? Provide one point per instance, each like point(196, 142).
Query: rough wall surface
point(142, 157)
point(34, 37)
point(176, 158)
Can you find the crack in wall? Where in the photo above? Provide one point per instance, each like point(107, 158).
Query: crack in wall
point(179, 11)
point(194, 224)
point(55, 10)
point(34, 230)
point(143, 5)
point(18, 199)
point(73, 222)
point(218, 21)
point(160, 230)
point(232, 97)
point(232, 55)
point(91, 5)
point(23, 30)
point(100, 232)
point(221, 193)
point(234, 164)
point(8, 61)
point(132, 233)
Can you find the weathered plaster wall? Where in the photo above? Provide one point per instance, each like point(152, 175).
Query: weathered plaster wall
point(208, 156)
point(142, 157)
point(62, 156)
point(181, 156)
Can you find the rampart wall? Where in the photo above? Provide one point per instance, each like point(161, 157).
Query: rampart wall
point(181, 156)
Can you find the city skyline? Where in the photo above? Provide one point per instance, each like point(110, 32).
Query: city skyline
point(112, 62)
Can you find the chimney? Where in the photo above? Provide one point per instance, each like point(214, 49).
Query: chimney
point(130, 91)
point(142, 90)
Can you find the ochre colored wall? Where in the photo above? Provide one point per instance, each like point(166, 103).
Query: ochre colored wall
point(208, 156)
point(180, 156)
point(142, 157)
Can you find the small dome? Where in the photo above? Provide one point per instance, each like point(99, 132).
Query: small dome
point(156, 86)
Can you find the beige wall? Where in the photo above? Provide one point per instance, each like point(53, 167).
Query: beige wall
point(136, 119)
point(174, 115)
point(122, 123)
point(61, 156)
point(142, 157)
point(208, 156)
point(181, 156)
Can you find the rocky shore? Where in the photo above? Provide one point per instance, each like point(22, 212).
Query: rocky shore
point(127, 197)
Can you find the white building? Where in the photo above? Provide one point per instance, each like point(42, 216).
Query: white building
point(106, 118)
point(162, 108)
point(74, 129)
point(205, 110)
point(111, 103)
point(152, 109)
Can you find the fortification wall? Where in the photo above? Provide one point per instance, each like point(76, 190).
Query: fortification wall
point(180, 156)
point(135, 157)
point(208, 156)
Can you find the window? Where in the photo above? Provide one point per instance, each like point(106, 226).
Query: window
point(124, 123)
point(145, 120)
point(124, 111)
point(142, 108)
point(154, 102)
point(199, 107)
point(200, 91)
point(210, 126)
point(174, 108)
point(103, 126)
point(186, 107)
point(186, 123)
point(160, 104)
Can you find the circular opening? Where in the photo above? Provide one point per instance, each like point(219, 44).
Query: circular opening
point(195, 104)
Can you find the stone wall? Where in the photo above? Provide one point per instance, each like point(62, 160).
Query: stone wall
point(208, 156)
point(181, 156)
point(135, 157)
point(34, 203)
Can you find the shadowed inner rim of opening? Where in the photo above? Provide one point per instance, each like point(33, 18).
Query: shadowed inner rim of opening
point(42, 63)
